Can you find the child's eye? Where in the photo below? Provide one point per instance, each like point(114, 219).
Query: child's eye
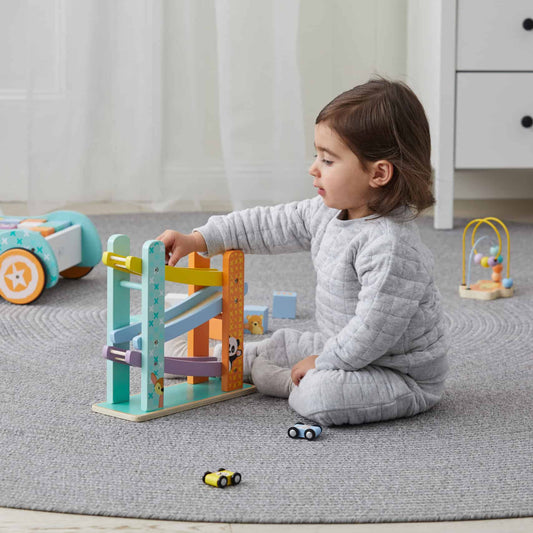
point(325, 161)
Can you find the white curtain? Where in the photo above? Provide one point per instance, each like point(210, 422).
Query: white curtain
point(261, 118)
point(93, 127)
point(177, 104)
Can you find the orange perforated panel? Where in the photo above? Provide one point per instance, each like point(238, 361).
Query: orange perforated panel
point(232, 320)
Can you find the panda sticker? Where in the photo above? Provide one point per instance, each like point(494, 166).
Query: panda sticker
point(234, 350)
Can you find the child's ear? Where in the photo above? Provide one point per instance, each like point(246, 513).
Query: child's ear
point(381, 174)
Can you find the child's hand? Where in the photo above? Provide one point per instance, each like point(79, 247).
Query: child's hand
point(299, 370)
point(178, 245)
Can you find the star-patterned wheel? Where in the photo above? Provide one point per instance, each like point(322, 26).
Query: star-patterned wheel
point(22, 277)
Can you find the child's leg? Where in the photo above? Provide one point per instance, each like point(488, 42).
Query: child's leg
point(271, 379)
point(273, 359)
point(372, 394)
point(177, 347)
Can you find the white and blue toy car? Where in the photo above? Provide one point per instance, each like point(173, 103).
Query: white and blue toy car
point(35, 251)
point(304, 431)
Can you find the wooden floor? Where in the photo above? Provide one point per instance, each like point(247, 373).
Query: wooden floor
point(15, 520)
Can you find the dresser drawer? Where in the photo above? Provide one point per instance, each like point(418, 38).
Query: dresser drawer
point(491, 35)
point(490, 109)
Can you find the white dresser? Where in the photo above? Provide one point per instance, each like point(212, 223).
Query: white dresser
point(471, 63)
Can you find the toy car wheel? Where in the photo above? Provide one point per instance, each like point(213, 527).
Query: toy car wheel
point(293, 432)
point(309, 434)
point(205, 474)
point(221, 470)
point(236, 479)
point(222, 482)
point(75, 272)
point(22, 276)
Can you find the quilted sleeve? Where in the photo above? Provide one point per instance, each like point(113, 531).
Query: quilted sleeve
point(393, 277)
point(261, 230)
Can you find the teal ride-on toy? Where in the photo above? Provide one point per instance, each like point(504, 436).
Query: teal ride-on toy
point(35, 251)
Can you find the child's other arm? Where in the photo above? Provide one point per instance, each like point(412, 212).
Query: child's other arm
point(262, 230)
point(300, 369)
point(393, 280)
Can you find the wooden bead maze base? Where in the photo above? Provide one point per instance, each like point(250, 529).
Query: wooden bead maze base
point(485, 290)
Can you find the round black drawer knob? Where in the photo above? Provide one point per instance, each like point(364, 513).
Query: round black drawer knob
point(527, 121)
point(527, 24)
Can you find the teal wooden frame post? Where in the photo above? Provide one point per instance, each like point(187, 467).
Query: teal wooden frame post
point(153, 325)
point(118, 315)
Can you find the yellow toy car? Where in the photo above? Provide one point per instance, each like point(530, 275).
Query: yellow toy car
point(222, 478)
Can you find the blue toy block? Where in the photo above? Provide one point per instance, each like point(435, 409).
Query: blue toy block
point(284, 305)
point(257, 310)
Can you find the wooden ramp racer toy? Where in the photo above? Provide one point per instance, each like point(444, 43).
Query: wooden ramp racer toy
point(214, 309)
point(35, 251)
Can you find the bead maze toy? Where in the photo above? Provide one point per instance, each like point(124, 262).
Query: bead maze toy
point(497, 286)
point(35, 251)
point(213, 309)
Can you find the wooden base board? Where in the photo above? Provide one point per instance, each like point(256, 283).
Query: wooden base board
point(179, 397)
point(485, 290)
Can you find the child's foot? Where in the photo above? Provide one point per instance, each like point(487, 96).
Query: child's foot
point(176, 347)
point(271, 379)
point(247, 373)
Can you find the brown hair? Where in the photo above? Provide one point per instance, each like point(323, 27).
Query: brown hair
point(384, 119)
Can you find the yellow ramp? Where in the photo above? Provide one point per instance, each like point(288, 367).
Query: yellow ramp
point(206, 277)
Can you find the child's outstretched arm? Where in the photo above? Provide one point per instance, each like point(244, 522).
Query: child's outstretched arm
point(394, 279)
point(178, 245)
point(263, 230)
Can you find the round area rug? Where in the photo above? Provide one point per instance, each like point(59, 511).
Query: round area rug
point(468, 458)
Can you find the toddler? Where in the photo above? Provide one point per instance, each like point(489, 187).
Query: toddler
point(380, 351)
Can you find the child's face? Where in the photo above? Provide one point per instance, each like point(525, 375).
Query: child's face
point(339, 176)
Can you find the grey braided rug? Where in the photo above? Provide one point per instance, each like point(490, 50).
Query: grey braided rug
point(468, 458)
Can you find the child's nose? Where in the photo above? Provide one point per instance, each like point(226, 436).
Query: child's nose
point(313, 169)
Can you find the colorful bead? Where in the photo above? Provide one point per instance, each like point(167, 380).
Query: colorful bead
point(485, 262)
point(478, 258)
point(507, 282)
point(494, 250)
point(496, 276)
point(500, 259)
point(498, 268)
point(492, 261)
